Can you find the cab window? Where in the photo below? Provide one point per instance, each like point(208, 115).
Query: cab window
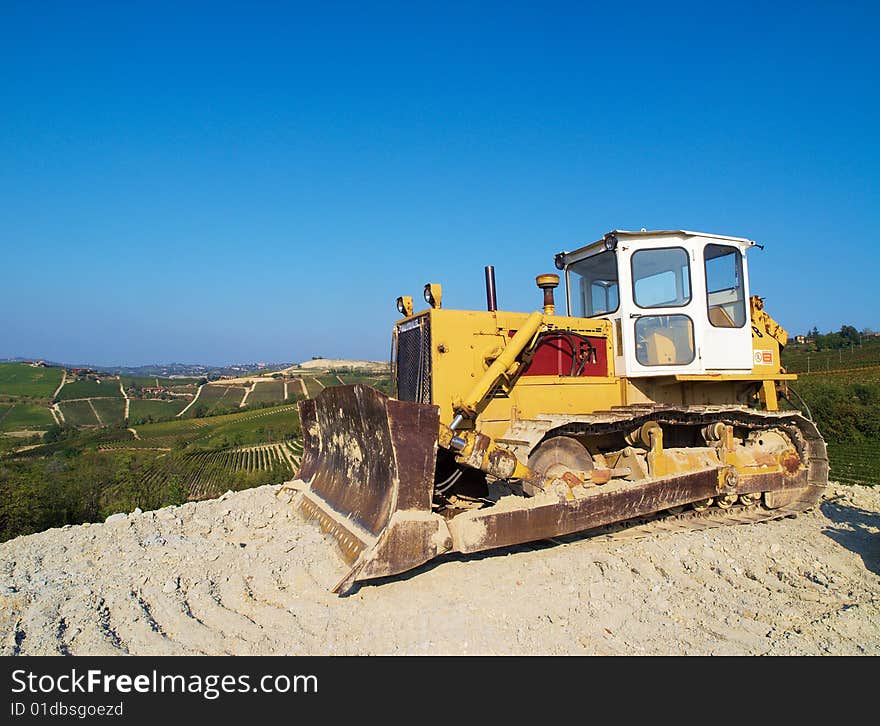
point(594, 285)
point(725, 293)
point(661, 278)
point(664, 340)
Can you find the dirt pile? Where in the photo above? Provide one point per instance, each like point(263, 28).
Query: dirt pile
point(244, 575)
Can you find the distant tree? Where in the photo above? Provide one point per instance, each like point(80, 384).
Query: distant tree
point(849, 334)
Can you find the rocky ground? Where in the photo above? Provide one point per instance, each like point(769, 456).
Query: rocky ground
point(243, 575)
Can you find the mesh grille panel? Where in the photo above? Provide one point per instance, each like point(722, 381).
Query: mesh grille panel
point(414, 360)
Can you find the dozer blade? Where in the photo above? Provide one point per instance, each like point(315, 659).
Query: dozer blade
point(367, 477)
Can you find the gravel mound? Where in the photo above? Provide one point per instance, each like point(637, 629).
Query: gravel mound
point(244, 575)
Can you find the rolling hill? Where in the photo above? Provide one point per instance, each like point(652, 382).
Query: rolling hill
point(75, 445)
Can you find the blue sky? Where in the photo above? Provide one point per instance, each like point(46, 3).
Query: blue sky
point(226, 182)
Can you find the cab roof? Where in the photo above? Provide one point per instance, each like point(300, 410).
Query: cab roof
point(564, 257)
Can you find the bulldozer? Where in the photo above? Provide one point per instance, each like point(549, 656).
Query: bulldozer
point(656, 396)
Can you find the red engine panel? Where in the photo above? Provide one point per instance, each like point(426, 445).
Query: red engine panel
point(568, 354)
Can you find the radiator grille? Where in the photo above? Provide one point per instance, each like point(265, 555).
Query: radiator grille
point(414, 360)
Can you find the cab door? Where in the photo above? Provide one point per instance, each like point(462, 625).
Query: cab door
point(660, 308)
point(727, 334)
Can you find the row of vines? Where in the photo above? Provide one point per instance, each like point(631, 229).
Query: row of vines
point(210, 473)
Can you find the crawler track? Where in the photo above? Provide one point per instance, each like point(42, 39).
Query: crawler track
point(690, 521)
point(802, 432)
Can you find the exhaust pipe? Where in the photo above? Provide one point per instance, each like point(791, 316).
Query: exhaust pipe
point(491, 301)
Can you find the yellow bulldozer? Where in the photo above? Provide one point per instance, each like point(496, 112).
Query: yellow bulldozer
point(656, 396)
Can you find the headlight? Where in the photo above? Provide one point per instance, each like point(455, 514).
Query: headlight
point(405, 305)
point(433, 293)
point(559, 261)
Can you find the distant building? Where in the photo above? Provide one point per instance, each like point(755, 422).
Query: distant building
point(800, 339)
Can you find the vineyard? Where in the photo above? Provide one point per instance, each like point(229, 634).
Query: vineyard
point(23, 416)
point(19, 379)
point(798, 359)
point(855, 463)
point(868, 374)
point(215, 400)
point(109, 387)
point(78, 413)
point(278, 422)
point(845, 405)
point(146, 410)
point(139, 381)
point(268, 391)
point(95, 462)
point(111, 411)
point(381, 383)
point(151, 381)
point(313, 386)
point(329, 380)
point(207, 474)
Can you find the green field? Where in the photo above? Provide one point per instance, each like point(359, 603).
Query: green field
point(845, 406)
point(216, 400)
point(855, 463)
point(111, 411)
point(212, 454)
point(276, 423)
point(139, 381)
point(382, 383)
point(147, 410)
point(78, 413)
point(267, 391)
point(329, 380)
point(206, 474)
point(799, 359)
point(108, 387)
point(25, 417)
point(153, 381)
point(350, 378)
point(313, 387)
point(21, 379)
point(88, 472)
point(869, 374)
point(316, 384)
